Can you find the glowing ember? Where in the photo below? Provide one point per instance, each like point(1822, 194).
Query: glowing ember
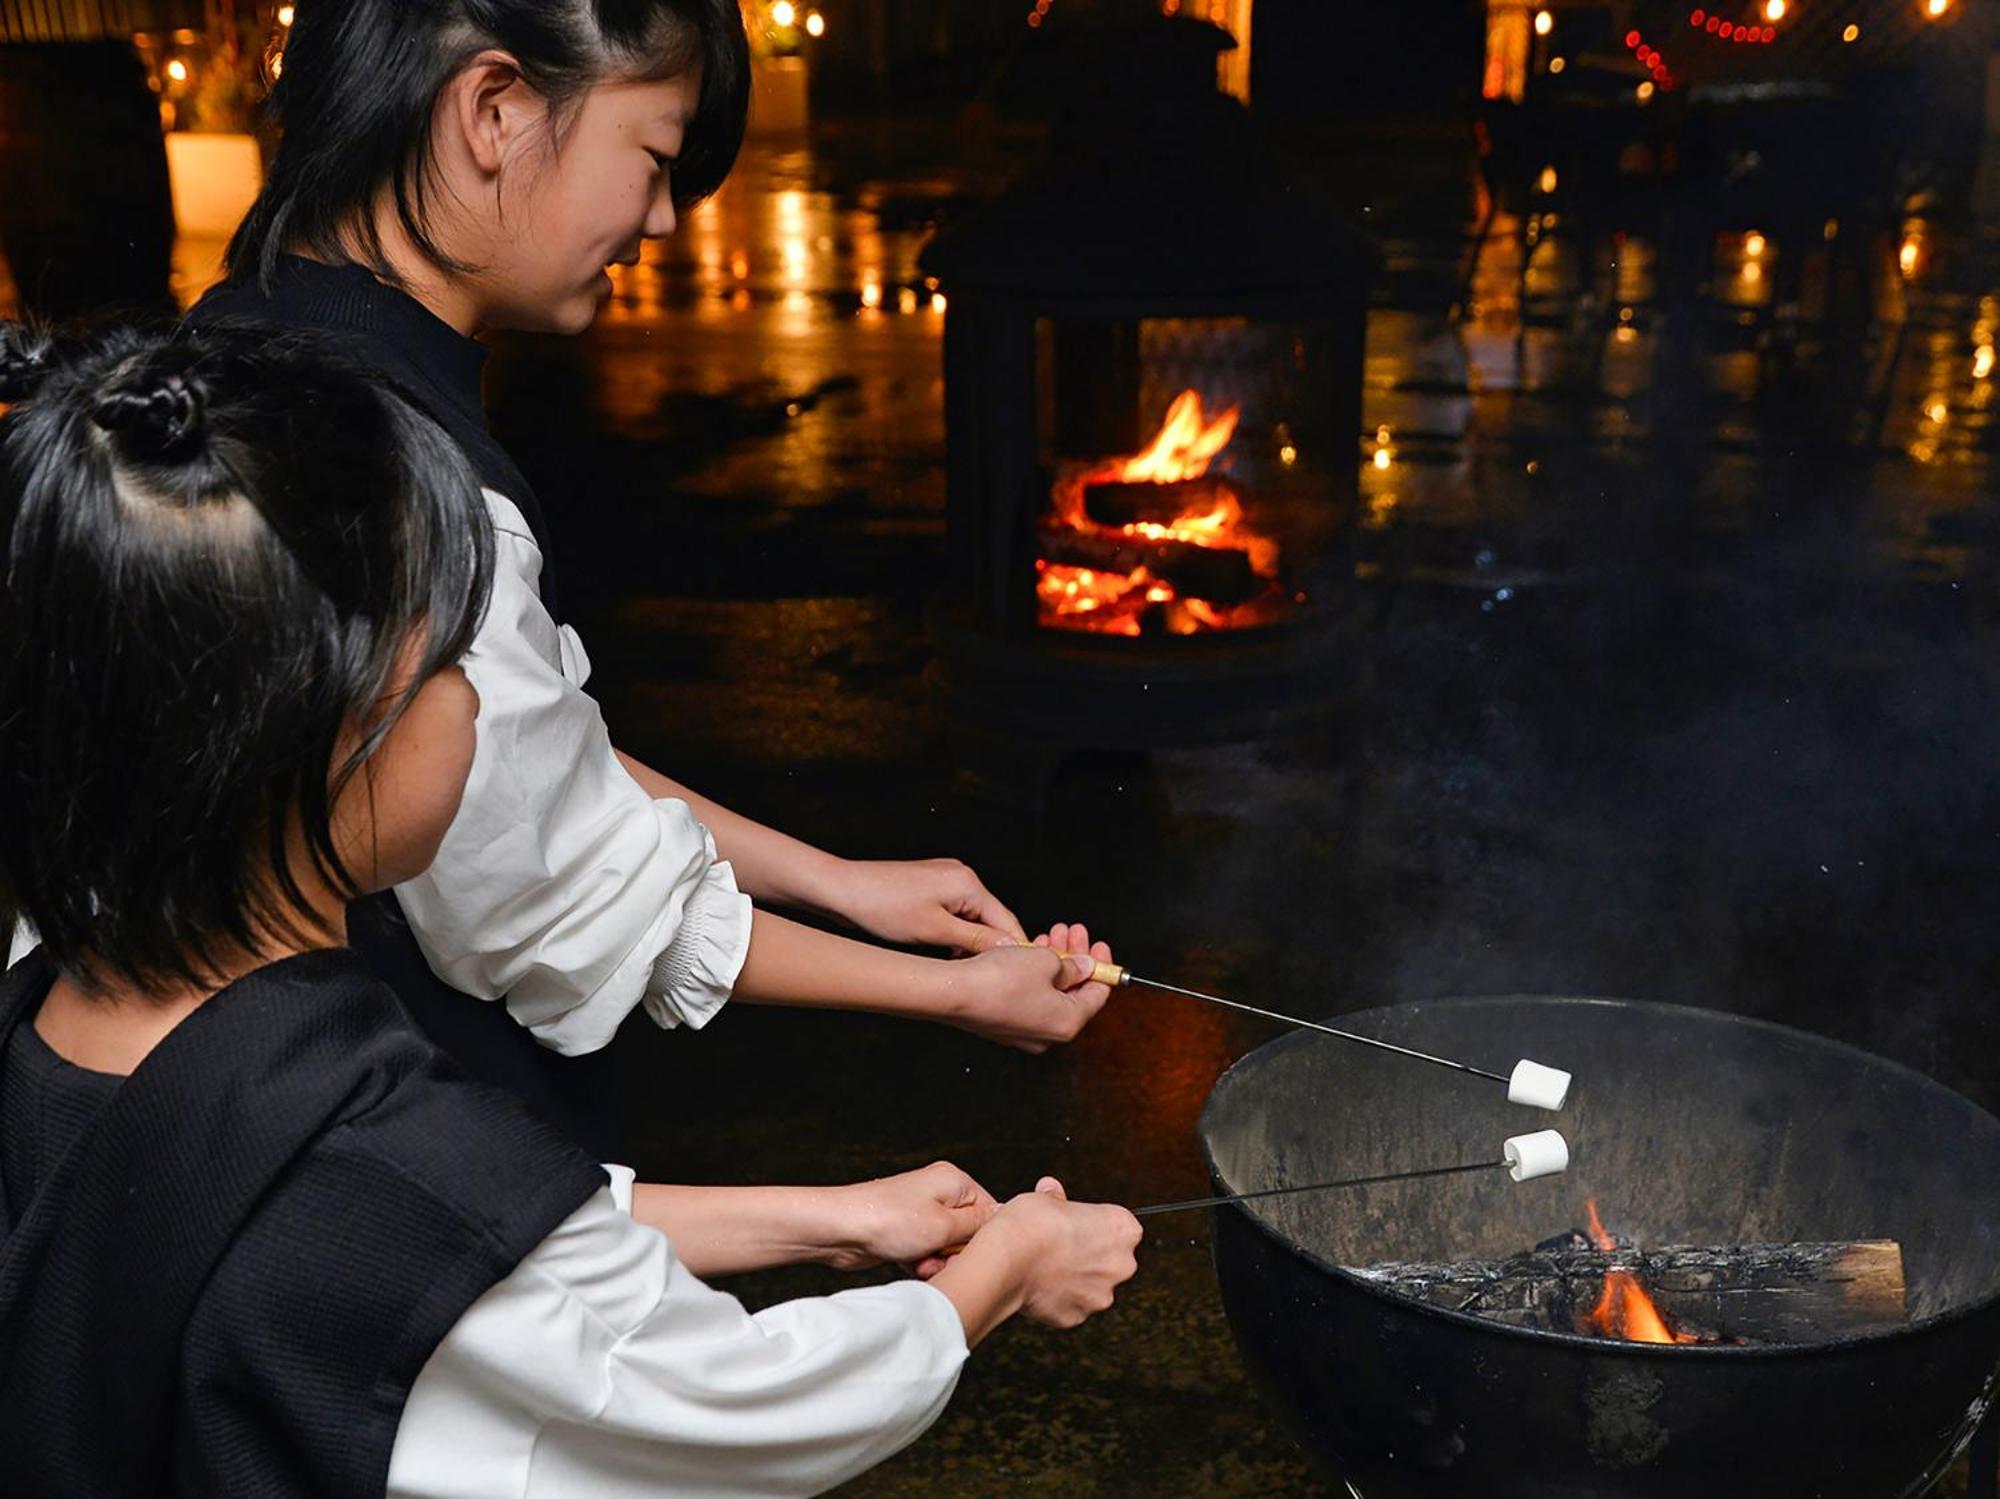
point(1625, 1311)
point(1140, 583)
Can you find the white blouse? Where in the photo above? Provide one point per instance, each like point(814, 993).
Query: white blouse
point(603, 1369)
point(561, 885)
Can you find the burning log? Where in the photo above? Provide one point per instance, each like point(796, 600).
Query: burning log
point(1114, 503)
point(1747, 1293)
point(1220, 575)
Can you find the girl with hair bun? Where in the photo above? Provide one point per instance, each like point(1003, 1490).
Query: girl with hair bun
point(257, 1237)
point(452, 167)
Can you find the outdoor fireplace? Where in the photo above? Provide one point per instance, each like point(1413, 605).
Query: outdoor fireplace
point(1153, 357)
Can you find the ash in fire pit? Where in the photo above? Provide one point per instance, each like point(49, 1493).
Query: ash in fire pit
point(1594, 1284)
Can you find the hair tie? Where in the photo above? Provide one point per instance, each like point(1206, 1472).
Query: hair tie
point(154, 415)
point(26, 358)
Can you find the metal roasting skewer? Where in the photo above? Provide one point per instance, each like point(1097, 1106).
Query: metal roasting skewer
point(1119, 977)
point(1352, 1181)
point(1524, 1157)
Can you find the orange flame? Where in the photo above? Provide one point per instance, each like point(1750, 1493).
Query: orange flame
point(1186, 444)
point(1625, 1311)
point(1085, 598)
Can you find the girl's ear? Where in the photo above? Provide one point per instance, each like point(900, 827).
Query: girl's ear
point(489, 106)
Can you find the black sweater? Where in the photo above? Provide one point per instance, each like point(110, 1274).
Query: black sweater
point(439, 370)
point(222, 1274)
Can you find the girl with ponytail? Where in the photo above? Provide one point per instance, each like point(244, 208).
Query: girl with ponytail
point(452, 167)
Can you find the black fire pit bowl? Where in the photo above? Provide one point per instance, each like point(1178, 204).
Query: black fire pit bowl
point(1689, 1127)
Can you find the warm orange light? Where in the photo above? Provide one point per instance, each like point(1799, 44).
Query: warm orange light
point(815, 23)
point(1936, 409)
point(1850, 33)
point(1557, 64)
point(938, 302)
point(1544, 23)
point(1625, 1311)
point(1546, 183)
point(178, 71)
point(1982, 362)
point(1754, 245)
point(871, 294)
point(1116, 603)
point(784, 13)
point(286, 15)
point(1774, 10)
point(906, 299)
point(1186, 443)
point(1908, 257)
point(1936, 8)
point(1645, 92)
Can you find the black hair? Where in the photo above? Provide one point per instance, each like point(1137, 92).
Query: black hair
point(358, 94)
point(222, 550)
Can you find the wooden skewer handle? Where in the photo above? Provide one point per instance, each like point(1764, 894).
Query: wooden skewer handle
point(1105, 973)
point(1113, 974)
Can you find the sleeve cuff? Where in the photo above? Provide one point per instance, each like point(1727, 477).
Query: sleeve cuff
point(692, 978)
point(622, 1178)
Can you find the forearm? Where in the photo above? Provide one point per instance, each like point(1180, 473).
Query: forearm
point(985, 1286)
point(790, 964)
point(771, 867)
point(733, 1230)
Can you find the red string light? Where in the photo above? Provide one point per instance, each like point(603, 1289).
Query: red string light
point(1716, 26)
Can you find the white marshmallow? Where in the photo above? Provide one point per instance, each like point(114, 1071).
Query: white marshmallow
point(1544, 1153)
point(1537, 1086)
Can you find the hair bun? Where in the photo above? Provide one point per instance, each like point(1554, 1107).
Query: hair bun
point(154, 414)
point(26, 358)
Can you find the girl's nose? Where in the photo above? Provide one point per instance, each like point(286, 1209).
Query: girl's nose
point(661, 219)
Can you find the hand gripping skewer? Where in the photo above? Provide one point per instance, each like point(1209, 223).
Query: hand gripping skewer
point(1530, 1083)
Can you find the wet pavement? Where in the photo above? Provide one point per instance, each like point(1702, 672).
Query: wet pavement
point(1659, 684)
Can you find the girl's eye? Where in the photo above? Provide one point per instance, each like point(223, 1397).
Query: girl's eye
point(661, 163)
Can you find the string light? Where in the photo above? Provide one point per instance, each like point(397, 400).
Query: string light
point(1774, 10)
point(1546, 183)
point(1908, 256)
point(178, 71)
point(1982, 362)
point(1699, 17)
point(815, 23)
point(1557, 64)
point(1544, 23)
point(286, 15)
point(1936, 8)
point(784, 13)
point(1850, 33)
point(1754, 245)
point(1645, 92)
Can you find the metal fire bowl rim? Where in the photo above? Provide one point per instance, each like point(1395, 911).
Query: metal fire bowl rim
point(1614, 1348)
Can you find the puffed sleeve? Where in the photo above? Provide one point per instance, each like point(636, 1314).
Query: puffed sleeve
point(602, 1367)
point(562, 886)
